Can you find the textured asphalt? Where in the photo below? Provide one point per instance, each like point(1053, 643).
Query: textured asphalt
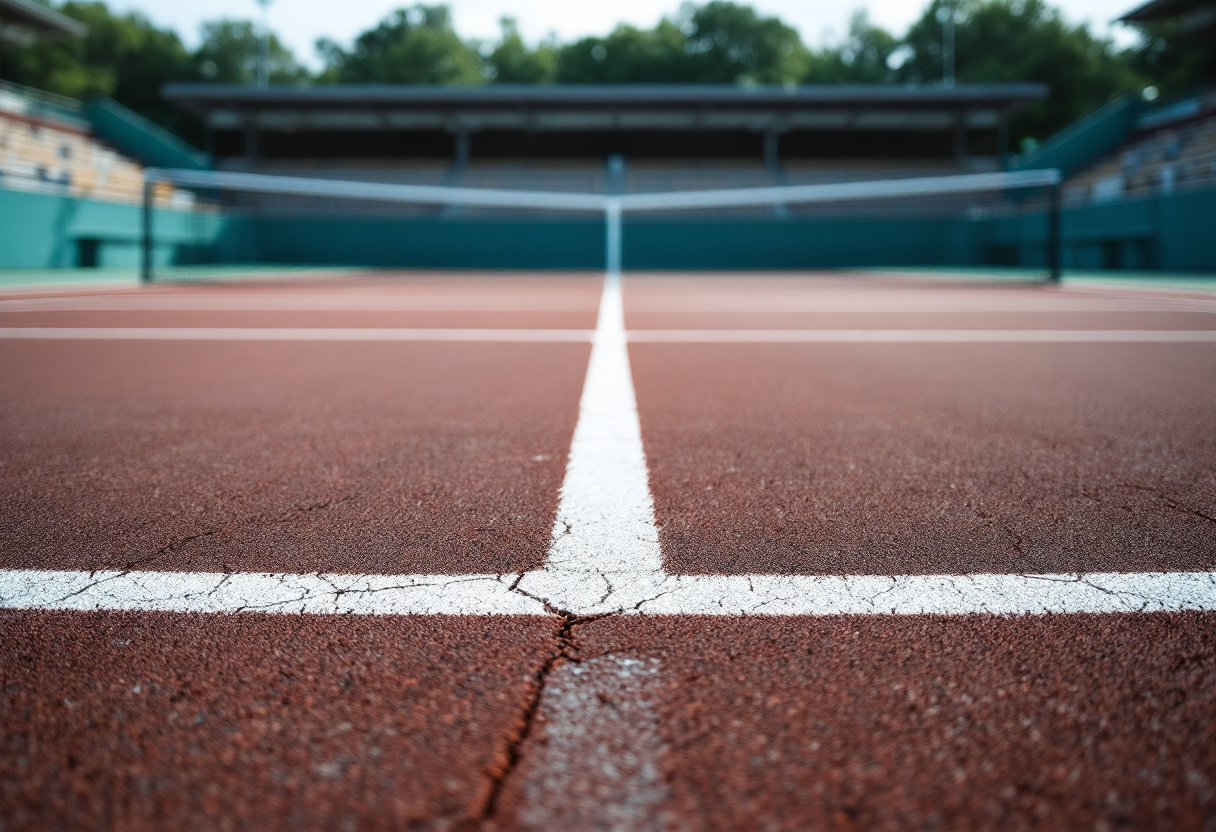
point(152, 721)
point(924, 458)
point(448, 458)
point(1053, 722)
point(283, 457)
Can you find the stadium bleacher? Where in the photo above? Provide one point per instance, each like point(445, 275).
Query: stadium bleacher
point(46, 146)
point(1174, 149)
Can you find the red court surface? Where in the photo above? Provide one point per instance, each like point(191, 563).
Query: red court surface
point(444, 444)
point(272, 457)
point(886, 459)
point(153, 721)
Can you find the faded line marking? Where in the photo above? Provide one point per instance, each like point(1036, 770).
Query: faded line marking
point(144, 333)
point(919, 336)
point(596, 759)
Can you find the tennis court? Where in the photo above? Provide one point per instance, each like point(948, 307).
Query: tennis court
point(540, 550)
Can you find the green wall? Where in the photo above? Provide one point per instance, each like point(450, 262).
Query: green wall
point(140, 139)
point(1171, 232)
point(433, 242)
point(41, 231)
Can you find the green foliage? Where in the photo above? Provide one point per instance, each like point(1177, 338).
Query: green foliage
point(124, 57)
point(1006, 41)
point(229, 54)
point(1174, 63)
point(512, 62)
point(627, 56)
point(865, 57)
point(411, 46)
point(721, 42)
point(718, 43)
point(729, 43)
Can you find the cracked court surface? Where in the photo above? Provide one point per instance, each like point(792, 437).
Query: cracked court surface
point(864, 553)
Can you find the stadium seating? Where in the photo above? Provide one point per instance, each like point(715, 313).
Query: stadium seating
point(1170, 156)
point(45, 146)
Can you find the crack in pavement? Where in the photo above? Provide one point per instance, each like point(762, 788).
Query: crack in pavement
point(564, 651)
point(512, 753)
point(1170, 501)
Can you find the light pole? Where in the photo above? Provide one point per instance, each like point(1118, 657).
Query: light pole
point(264, 46)
point(945, 16)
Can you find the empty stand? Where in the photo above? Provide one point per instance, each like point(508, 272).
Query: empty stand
point(1169, 155)
point(45, 145)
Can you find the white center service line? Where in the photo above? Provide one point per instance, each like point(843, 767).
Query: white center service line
point(605, 555)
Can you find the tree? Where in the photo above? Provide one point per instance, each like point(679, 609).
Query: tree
point(1174, 63)
point(124, 57)
point(411, 46)
point(512, 62)
point(1007, 41)
point(718, 43)
point(230, 50)
point(627, 56)
point(865, 57)
point(729, 43)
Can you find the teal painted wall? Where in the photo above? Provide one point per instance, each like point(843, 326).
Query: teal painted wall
point(1081, 143)
point(795, 243)
point(470, 243)
point(1172, 233)
point(139, 138)
point(39, 231)
point(539, 243)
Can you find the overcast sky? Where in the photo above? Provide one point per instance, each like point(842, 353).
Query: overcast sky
point(300, 22)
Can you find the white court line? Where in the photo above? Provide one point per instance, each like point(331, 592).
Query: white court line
point(264, 592)
point(605, 558)
point(640, 336)
point(605, 515)
point(927, 305)
point(300, 303)
point(820, 303)
point(920, 336)
point(640, 592)
point(80, 333)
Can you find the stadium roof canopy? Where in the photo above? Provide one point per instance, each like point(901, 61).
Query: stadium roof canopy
point(1194, 17)
point(385, 122)
point(589, 107)
point(23, 22)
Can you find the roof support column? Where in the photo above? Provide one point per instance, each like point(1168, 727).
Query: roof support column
point(772, 144)
point(960, 139)
point(461, 160)
point(251, 143)
point(1002, 139)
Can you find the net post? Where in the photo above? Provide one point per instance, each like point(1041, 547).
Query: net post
point(612, 234)
point(145, 272)
point(1055, 241)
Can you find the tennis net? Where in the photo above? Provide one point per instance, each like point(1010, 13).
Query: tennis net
point(220, 223)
